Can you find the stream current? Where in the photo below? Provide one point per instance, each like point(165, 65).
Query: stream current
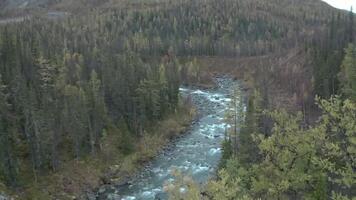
point(196, 153)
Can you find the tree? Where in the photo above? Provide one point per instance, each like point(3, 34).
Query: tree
point(347, 75)
point(75, 115)
point(302, 162)
point(49, 110)
point(338, 152)
point(8, 166)
point(285, 169)
point(351, 26)
point(149, 99)
point(97, 111)
point(172, 74)
point(226, 187)
point(248, 151)
point(235, 116)
point(163, 87)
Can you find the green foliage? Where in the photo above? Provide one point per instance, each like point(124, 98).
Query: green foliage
point(226, 188)
point(285, 166)
point(347, 75)
point(300, 162)
point(328, 53)
point(126, 141)
point(66, 80)
point(226, 148)
point(248, 151)
point(8, 167)
point(65, 85)
point(320, 190)
point(235, 116)
point(338, 157)
point(183, 187)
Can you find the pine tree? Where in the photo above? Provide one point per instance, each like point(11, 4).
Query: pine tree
point(351, 26)
point(347, 75)
point(75, 117)
point(49, 104)
point(248, 151)
point(8, 167)
point(97, 111)
point(163, 87)
point(235, 116)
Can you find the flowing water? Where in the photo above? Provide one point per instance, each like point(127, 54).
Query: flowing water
point(197, 153)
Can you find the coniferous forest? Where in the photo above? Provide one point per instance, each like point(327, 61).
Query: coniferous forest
point(100, 79)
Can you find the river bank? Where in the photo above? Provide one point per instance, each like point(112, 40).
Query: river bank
point(79, 179)
point(99, 177)
point(196, 153)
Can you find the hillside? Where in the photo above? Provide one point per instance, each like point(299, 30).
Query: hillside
point(89, 89)
point(11, 7)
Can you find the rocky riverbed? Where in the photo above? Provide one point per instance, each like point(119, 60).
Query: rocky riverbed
point(196, 153)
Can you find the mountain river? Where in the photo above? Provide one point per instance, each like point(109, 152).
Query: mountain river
point(196, 153)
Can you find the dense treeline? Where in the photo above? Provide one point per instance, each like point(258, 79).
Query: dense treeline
point(211, 27)
point(61, 88)
point(328, 53)
point(64, 82)
point(272, 154)
point(293, 160)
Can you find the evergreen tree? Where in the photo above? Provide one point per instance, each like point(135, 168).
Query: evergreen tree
point(248, 152)
point(298, 162)
point(351, 26)
point(8, 166)
point(347, 75)
point(97, 111)
point(50, 138)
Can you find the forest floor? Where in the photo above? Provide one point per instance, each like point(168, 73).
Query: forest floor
point(79, 179)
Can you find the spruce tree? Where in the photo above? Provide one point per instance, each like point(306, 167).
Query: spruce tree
point(347, 75)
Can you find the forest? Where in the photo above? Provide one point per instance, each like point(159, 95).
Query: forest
point(108, 75)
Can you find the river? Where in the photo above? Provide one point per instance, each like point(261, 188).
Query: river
point(196, 154)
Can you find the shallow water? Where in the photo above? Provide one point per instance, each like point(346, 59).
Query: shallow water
point(197, 153)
